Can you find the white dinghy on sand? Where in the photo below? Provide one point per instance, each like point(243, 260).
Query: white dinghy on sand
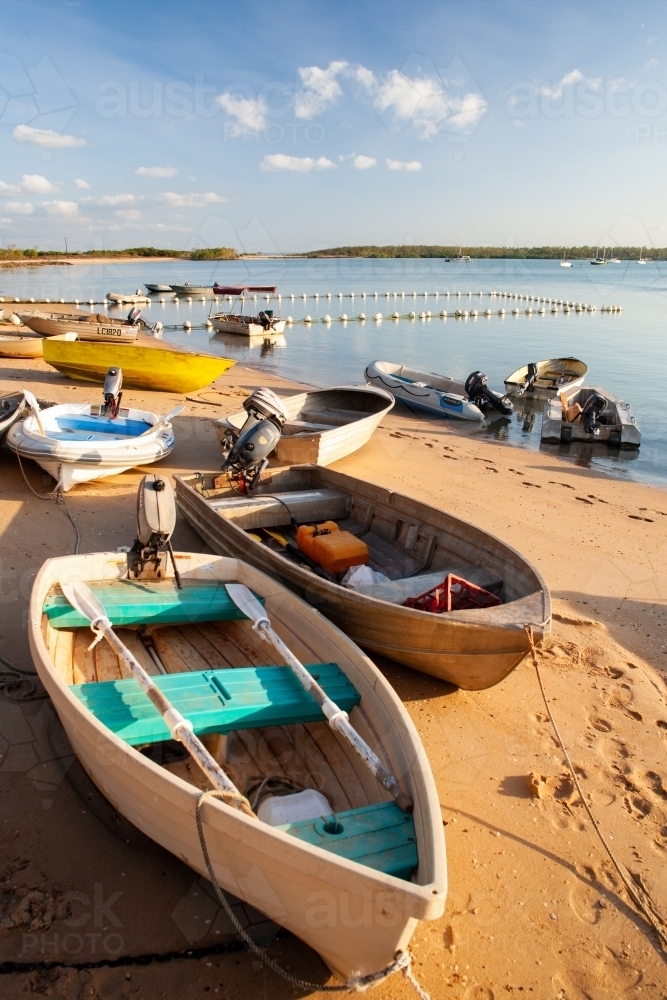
point(77, 442)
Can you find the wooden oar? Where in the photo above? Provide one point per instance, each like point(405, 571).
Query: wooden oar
point(87, 604)
point(246, 602)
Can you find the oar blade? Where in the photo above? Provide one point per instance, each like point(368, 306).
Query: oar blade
point(246, 602)
point(83, 599)
point(173, 413)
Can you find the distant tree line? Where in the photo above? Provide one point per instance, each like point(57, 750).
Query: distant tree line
point(210, 253)
point(508, 253)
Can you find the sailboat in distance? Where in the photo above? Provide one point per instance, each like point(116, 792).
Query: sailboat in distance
point(565, 263)
point(600, 259)
point(464, 258)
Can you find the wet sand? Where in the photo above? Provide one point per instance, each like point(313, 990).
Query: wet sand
point(534, 906)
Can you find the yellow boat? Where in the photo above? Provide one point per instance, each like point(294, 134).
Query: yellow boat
point(158, 368)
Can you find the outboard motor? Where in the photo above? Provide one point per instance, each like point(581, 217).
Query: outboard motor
point(590, 412)
point(156, 520)
point(133, 315)
point(246, 454)
point(478, 392)
point(265, 316)
point(112, 395)
point(531, 379)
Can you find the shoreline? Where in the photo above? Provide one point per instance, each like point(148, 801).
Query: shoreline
point(524, 864)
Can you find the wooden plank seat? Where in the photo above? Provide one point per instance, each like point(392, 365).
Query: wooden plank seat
point(137, 602)
point(215, 701)
point(381, 836)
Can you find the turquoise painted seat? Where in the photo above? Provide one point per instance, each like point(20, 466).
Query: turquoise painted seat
point(381, 836)
point(215, 701)
point(136, 602)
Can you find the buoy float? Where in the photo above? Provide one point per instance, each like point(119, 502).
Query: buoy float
point(362, 317)
point(303, 295)
point(458, 314)
point(363, 295)
point(289, 320)
point(487, 312)
point(32, 300)
point(291, 296)
point(343, 318)
point(326, 318)
point(411, 315)
point(378, 316)
point(443, 314)
point(529, 311)
point(422, 315)
point(395, 315)
point(328, 295)
point(315, 296)
point(501, 312)
point(187, 325)
point(208, 324)
point(307, 319)
point(473, 313)
point(515, 311)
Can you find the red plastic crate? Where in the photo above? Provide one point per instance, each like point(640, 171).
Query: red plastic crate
point(453, 594)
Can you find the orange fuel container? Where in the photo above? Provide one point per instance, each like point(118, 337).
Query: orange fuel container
point(338, 551)
point(307, 533)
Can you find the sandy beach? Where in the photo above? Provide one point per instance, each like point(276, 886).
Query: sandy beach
point(91, 908)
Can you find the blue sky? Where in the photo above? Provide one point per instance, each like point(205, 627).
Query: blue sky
point(290, 126)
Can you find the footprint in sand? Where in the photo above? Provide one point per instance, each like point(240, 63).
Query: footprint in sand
point(620, 696)
point(601, 725)
point(582, 901)
point(655, 783)
point(637, 806)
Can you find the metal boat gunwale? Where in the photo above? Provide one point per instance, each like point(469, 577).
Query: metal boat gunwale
point(517, 378)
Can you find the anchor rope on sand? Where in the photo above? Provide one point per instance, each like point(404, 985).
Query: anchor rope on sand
point(359, 984)
point(639, 896)
point(56, 494)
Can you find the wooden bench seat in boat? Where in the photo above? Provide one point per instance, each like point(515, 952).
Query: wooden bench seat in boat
point(215, 701)
point(135, 602)
point(381, 836)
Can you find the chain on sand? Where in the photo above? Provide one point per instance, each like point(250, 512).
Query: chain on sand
point(402, 962)
point(640, 897)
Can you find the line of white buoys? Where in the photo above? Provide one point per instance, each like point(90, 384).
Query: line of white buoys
point(529, 311)
point(473, 313)
point(363, 295)
point(187, 325)
point(307, 319)
point(515, 311)
point(316, 296)
point(326, 318)
point(291, 296)
point(501, 312)
point(395, 315)
point(375, 295)
point(289, 320)
point(343, 318)
point(328, 295)
point(303, 295)
point(411, 315)
point(378, 316)
point(443, 314)
point(362, 317)
point(339, 295)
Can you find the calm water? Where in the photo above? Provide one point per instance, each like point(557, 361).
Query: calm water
point(625, 352)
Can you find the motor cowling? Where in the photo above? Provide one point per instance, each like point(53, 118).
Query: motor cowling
point(246, 454)
point(133, 316)
point(590, 412)
point(156, 520)
point(478, 392)
point(113, 383)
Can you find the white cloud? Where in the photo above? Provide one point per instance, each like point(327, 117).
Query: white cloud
point(250, 113)
point(423, 100)
point(19, 207)
point(128, 213)
point(409, 165)
point(36, 184)
point(320, 89)
point(621, 83)
point(8, 189)
point(46, 137)
point(109, 199)
point(83, 185)
point(4, 222)
point(364, 162)
point(300, 164)
point(60, 207)
point(574, 76)
point(193, 200)
point(156, 172)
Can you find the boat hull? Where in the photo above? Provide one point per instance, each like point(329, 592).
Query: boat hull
point(322, 447)
point(13, 408)
point(619, 429)
point(78, 461)
point(111, 330)
point(471, 649)
point(155, 368)
point(355, 917)
point(441, 397)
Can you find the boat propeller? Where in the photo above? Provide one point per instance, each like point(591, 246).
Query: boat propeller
point(478, 392)
point(156, 520)
point(246, 452)
point(113, 383)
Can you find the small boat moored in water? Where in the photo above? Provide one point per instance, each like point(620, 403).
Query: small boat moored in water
point(547, 378)
point(240, 318)
point(188, 289)
point(415, 546)
point(77, 442)
point(135, 298)
point(153, 289)
point(592, 415)
point(158, 368)
point(438, 395)
point(321, 426)
point(317, 833)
